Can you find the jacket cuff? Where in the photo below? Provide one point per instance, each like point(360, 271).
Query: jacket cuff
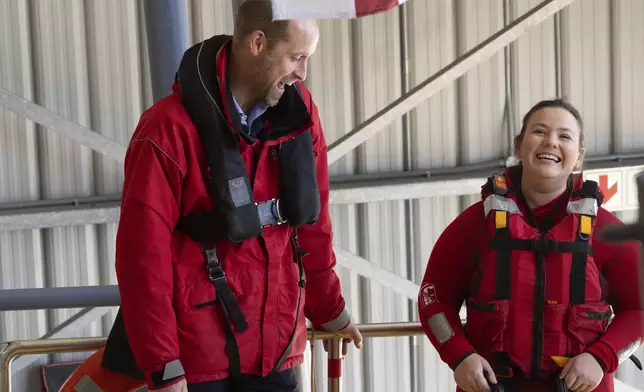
point(338, 323)
point(170, 374)
point(455, 350)
point(605, 356)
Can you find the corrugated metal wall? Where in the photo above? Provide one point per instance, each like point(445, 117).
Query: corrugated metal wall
point(21, 253)
point(87, 60)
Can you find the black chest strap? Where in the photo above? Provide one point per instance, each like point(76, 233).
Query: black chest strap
point(232, 314)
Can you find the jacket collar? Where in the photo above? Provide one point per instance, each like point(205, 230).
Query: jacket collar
point(285, 120)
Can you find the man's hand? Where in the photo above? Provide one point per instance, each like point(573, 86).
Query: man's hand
point(181, 386)
point(354, 336)
point(582, 373)
point(473, 374)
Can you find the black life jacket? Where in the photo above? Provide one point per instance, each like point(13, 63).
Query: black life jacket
point(236, 216)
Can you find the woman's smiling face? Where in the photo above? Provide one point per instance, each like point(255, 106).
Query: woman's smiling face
point(550, 147)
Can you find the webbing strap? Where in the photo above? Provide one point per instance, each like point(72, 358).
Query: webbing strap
point(232, 350)
point(590, 189)
point(224, 293)
point(503, 256)
point(579, 262)
point(200, 226)
point(231, 313)
point(539, 245)
point(502, 365)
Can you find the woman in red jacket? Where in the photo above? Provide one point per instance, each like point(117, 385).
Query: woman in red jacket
point(540, 286)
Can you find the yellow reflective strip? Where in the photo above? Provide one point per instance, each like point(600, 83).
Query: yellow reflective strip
point(500, 219)
point(585, 225)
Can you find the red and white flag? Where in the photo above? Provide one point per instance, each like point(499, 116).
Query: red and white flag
point(330, 9)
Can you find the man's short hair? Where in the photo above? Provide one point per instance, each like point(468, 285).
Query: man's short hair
point(255, 15)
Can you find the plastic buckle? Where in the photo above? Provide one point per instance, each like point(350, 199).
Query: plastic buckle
point(540, 244)
point(215, 273)
point(276, 211)
point(274, 208)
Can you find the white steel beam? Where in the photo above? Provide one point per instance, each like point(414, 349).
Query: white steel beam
point(347, 192)
point(375, 273)
point(41, 218)
point(63, 126)
point(32, 218)
point(444, 77)
point(407, 190)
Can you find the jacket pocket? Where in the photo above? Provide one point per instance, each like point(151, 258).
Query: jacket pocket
point(202, 295)
point(192, 290)
point(586, 323)
point(487, 326)
point(555, 340)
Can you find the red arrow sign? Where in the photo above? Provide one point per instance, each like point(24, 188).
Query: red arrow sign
point(603, 185)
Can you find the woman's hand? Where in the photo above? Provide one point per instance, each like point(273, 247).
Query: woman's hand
point(470, 375)
point(582, 373)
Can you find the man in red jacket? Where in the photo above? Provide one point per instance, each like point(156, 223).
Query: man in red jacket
point(225, 242)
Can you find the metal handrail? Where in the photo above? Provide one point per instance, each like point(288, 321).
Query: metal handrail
point(11, 350)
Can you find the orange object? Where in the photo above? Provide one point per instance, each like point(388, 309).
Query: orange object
point(499, 181)
point(90, 375)
point(560, 361)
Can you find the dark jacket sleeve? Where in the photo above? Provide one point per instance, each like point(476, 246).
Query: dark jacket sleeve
point(621, 266)
point(149, 213)
point(324, 305)
point(446, 285)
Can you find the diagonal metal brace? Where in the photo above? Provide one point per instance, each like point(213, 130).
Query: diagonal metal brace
point(444, 78)
point(63, 126)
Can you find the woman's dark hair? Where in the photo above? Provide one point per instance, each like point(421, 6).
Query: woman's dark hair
point(552, 103)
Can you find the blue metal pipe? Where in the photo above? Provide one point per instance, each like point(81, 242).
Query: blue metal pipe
point(166, 26)
point(59, 298)
point(236, 4)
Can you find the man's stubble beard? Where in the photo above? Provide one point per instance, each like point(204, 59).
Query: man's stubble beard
point(262, 75)
point(270, 99)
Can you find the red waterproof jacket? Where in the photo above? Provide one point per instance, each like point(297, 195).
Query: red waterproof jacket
point(521, 308)
point(161, 272)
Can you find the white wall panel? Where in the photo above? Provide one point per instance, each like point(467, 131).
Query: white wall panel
point(586, 63)
point(62, 85)
point(482, 89)
point(207, 18)
point(533, 62)
point(378, 61)
point(330, 79)
point(628, 80)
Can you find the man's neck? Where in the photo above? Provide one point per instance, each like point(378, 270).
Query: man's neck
point(238, 88)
